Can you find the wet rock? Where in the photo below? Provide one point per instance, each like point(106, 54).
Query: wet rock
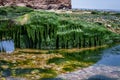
point(4, 66)
point(33, 57)
point(47, 67)
point(34, 71)
point(37, 77)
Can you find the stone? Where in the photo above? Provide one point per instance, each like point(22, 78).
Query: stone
point(4, 66)
point(47, 67)
point(35, 71)
point(38, 4)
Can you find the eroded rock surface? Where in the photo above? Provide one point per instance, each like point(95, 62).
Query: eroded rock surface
point(39, 4)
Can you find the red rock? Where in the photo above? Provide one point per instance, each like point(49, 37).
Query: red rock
point(39, 4)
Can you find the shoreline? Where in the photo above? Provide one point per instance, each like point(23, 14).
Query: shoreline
point(107, 68)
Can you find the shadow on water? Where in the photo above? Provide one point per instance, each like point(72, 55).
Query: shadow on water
point(101, 77)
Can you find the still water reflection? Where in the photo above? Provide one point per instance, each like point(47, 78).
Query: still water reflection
point(7, 46)
point(111, 57)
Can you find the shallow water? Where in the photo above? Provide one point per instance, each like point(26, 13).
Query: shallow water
point(108, 68)
point(7, 46)
point(110, 57)
point(109, 61)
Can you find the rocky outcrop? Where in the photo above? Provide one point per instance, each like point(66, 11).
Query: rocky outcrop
point(39, 4)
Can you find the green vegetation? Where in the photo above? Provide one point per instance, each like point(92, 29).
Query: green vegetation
point(57, 43)
point(49, 30)
point(13, 12)
point(45, 64)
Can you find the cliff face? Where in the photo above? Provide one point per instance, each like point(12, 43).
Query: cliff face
point(39, 4)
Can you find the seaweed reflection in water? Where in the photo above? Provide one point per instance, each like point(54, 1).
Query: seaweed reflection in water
point(81, 58)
